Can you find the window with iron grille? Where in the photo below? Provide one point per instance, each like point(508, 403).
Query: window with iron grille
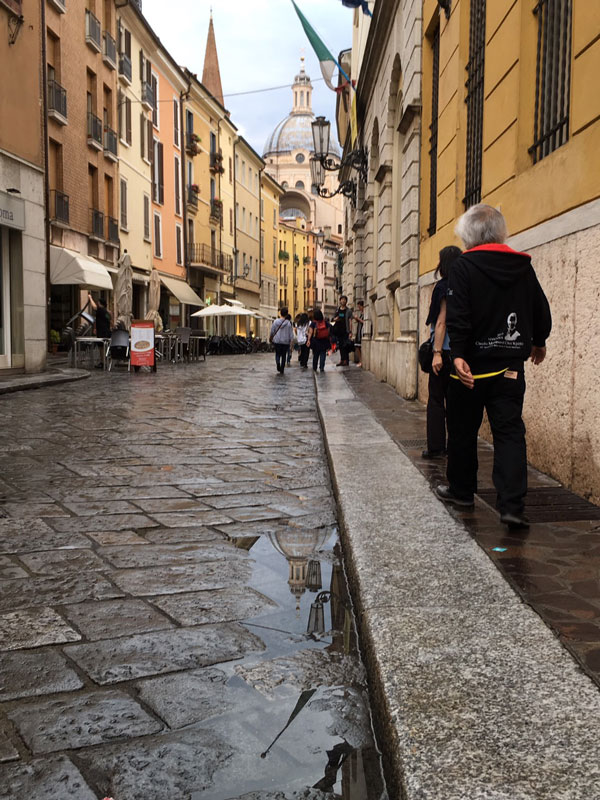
point(474, 101)
point(433, 132)
point(553, 76)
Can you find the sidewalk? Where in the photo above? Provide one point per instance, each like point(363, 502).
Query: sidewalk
point(19, 381)
point(477, 698)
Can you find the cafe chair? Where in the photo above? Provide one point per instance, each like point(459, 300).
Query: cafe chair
point(118, 349)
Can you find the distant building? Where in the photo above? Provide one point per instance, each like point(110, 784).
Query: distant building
point(271, 193)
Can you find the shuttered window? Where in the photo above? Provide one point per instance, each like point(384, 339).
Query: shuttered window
point(146, 218)
point(176, 123)
point(474, 101)
point(553, 76)
point(433, 131)
point(177, 174)
point(123, 204)
point(179, 244)
point(157, 236)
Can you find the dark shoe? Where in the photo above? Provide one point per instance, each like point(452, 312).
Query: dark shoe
point(322, 369)
point(433, 453)
point(444, 493)
point(514, 521)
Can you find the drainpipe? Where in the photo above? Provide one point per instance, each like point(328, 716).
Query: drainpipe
point(235, 250)
point(184, 96)
point(46, 176)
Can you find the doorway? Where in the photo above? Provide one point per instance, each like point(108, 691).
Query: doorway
point(5, 359)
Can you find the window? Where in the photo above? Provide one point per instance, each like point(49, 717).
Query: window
point(230, 170)
point(553, 77)
point(250, 222)
point(157, 235)
point(237, 215)
point(177, 175)
point(474, 101)
point(244, 173)
point(123, 204)
point(213, 143)
point(158, 184)
point(262, 208)
point(178, 244)
point(256, 227)
point(339, 229)
point(274, 217)
point(299, 184)
point(176, 122)
point(433, 132)
point(262, 246)
point(300, 158)
point(155, 115)
point(274, 251)
point(124, 118)
point(231, 220)
point(213, 189)
point(243, 218)
point(146, 217)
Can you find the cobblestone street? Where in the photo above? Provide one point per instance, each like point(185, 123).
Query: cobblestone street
point(162, 540)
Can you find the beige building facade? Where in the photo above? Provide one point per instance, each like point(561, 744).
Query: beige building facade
point(246, 264)
point(382, 225)
point(271, 193)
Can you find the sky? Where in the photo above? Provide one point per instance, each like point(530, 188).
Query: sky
point(259, 43)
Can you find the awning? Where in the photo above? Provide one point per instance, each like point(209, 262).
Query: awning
point(68, 267)
point(182, 291)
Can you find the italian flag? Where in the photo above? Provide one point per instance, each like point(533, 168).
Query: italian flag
point(326, 61)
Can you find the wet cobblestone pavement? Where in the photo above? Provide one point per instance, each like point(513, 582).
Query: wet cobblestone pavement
point(554, 565)
point(163, 539)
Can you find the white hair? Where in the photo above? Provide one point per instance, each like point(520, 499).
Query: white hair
point(481, 224)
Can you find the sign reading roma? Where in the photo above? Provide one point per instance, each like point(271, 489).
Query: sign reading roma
point(142, 343)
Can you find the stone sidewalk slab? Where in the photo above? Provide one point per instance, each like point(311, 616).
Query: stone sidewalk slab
point(17, 383)
point(477, 698)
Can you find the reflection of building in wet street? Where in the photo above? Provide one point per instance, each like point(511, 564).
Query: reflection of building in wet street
point(297, 545)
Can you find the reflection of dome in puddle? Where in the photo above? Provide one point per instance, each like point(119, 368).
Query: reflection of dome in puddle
point(298, 545)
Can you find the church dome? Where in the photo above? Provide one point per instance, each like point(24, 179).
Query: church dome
point(295, 132)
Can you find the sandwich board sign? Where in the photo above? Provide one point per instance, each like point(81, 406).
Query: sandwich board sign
point(142, 344)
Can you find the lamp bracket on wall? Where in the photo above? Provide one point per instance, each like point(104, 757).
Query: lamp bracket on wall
point(445, 5)
point(14, 26)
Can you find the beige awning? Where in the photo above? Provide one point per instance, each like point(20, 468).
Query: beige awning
point(70, 267)
point(182, 291)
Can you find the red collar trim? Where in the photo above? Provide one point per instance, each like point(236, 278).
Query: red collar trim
point(496, 248)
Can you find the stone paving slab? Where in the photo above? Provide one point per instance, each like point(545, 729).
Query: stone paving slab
point(44, 779)
point(30, 673)
point(102, 522)
point(10, 569)
point(59, 561)
point(200, 535)
point(34, 627)
point(154, 555)
point(8, 752)
point(477, 699)
point(53, 377)
point(200, 608)
point(81, 720)
point(169, 580)
point(96, 619)
point(68, 588)
point(114, 660)
point(27, 536)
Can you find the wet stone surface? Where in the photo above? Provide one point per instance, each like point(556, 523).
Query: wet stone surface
point(158, 580)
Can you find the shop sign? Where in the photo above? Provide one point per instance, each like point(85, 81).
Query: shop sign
point(142, 343)
point(12, 211)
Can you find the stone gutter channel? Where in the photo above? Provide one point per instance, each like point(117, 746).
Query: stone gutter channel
point(473, 695)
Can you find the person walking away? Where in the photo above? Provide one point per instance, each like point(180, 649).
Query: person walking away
point(281, 336)
point(291, 347)
point(302, 339)
point(359, 317)
point(319, 339)
point(497, 317)
point(442, 364)
point(342, 322)
point(103, 320)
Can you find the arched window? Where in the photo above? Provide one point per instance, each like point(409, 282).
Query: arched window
point(301, 98)
point(299, 184)
point(284, 185)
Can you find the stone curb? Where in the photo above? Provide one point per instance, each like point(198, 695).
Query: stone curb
point(22, 382)
point(474, 697)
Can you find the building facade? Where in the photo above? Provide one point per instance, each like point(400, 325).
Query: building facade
point(328, 277)
point(515, 123)
point(297, 248)
point(381, 247)
point(271, 193)
point(23, 323)
point(247, 265)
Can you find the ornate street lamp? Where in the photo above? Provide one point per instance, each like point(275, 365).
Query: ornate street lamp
point(316, 618)
point(313, 571)
point(322, 161)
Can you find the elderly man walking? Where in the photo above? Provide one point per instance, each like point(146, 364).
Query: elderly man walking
point(497, 317)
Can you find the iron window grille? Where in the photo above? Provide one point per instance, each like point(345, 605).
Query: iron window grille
point(59, 206)
point(553, 77)
point(433, 133)
point(474, 100)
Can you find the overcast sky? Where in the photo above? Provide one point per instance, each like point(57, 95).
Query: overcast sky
point(259, 43)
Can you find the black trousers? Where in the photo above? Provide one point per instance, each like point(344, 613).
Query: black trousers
point(281, 354)
point(502, 398)
point(303, 357)
point(436, 408)
point(343, 347)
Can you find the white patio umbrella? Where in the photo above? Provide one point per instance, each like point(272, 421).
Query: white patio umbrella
point(224, 311)
point(124, 292)
point(154, 301)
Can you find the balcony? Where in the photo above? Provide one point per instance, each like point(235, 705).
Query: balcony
point(94, 131)
point(93, 31)
point(109, 53)
point(59, 5)
point(209, 256)
point(192, 198)
point(284, 281)
point(308, 283)
point(110, 143)
point(57, 102)
point(216, 210)
point(284, 255)
point(192, 143)
point(125, 72)
point(59, 207)
point(96, 225)
point(306, 260)
point(112, 231)
point(216, 163)
point(296, 261)
point(147, 96)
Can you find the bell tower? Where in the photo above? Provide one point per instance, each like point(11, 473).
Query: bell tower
point(302, 92)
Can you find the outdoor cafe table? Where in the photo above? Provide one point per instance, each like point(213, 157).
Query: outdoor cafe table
point(88, 342)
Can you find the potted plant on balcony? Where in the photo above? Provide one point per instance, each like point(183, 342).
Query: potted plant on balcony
point(195, 188)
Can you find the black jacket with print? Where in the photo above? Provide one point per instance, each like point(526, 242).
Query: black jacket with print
point(496, 308)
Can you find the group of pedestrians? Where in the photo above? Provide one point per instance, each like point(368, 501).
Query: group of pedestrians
point(315, 333)
point(488, 316)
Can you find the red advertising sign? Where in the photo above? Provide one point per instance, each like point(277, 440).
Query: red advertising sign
point(142, 343)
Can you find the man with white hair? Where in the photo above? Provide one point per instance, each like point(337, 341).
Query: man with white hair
point(491, 286)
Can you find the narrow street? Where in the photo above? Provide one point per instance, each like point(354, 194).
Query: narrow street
point(163, 540)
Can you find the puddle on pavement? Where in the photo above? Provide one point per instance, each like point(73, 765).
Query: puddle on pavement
point(297, 714)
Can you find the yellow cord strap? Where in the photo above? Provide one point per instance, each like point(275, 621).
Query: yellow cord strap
point(487, 375)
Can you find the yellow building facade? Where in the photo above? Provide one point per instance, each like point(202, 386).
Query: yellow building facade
point(297, 248)
point(247, 266)
point(512, 113)
point(271, 193)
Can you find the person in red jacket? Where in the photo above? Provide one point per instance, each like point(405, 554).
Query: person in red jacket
point(497, 318)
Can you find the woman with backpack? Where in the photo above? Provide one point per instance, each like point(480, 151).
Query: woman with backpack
point(319, 339)
point(302, 338)
point(282, 335)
